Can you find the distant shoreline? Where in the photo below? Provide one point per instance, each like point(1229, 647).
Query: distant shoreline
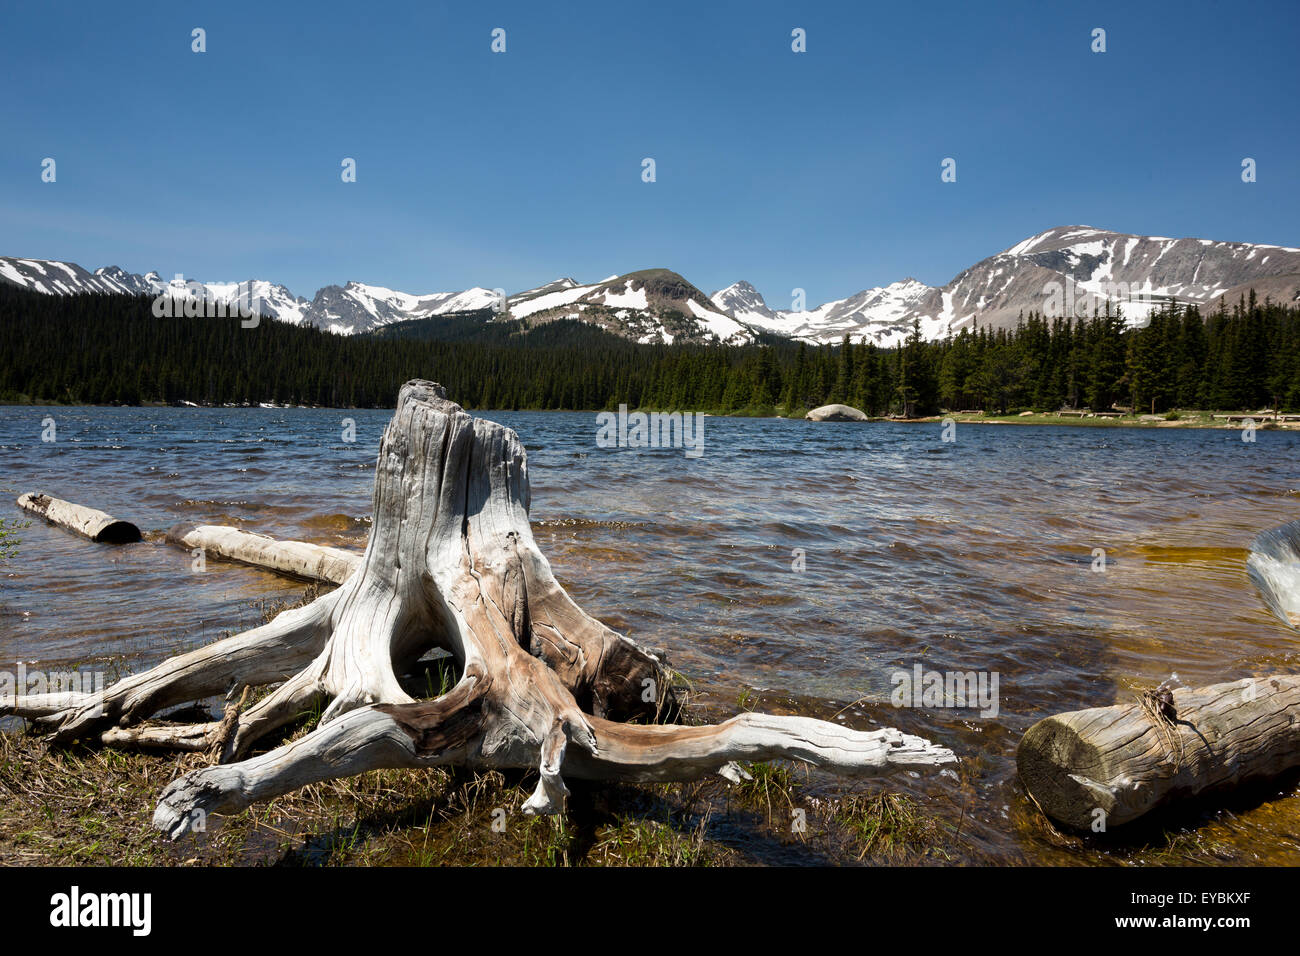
point(1185, 419)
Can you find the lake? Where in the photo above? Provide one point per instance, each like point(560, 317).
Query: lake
point(797, 566)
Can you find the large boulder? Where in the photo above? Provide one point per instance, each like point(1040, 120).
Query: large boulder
point(836, 413)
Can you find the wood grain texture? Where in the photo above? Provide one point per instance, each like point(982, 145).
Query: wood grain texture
point(87, 522)
point(1122, 763)
point(298, 559)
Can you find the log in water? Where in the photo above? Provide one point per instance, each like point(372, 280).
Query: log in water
point(312, 562)
point(1111, 765)
point(87, 522)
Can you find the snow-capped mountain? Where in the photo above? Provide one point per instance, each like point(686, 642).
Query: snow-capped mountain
point(68, 278)
point(1139, 273)
point(1069, 271)
point(742, 301)
point(884, 314)
point(273, 300)
point(655, 305)
point(356, 307)
point(1066, 271)
point(649, 306)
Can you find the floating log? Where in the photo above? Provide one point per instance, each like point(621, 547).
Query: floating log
point(1115, 764)
point(87, 522)
point(451, 564)
point(311, 562)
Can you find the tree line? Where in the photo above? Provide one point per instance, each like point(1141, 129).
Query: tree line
point(111, 349)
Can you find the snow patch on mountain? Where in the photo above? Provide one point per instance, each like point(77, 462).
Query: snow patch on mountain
point(1067, 271)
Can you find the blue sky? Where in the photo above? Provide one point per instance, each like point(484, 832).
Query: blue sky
point(818, 170)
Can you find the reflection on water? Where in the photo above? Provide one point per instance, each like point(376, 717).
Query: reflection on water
point(1080, 564)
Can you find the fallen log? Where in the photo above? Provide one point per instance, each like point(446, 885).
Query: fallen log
point(87, 522)
point(1106, 766)
point(299, 559)
point(451, 564)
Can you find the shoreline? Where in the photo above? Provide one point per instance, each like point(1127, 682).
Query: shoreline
point(1191, 419)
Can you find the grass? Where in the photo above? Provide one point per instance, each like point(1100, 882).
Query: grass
point(891, 827)
point(771, 786)
point(93, 807)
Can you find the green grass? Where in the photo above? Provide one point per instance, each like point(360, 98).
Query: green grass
point(93, 807)
point(892, 827)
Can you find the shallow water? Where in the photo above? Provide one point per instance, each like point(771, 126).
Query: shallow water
point(976, 555)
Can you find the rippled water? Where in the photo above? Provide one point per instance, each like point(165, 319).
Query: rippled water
point(973, 555)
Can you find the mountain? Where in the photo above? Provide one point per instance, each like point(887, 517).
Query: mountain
point(884, 314)
point(68, 278)
point(742, 301)
point(654, 305)
point(1064, 271)
point(1068, 270)
point(1139, 273)
point(361, 308)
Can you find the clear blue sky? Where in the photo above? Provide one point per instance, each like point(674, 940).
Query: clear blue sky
point(818, 170)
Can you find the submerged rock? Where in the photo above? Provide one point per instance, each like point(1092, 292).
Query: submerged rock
point(836, 413)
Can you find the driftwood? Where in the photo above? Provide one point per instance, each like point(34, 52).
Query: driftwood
point(299, 559)
point(87, 522)
point(311, 562)
point(451, 564)
point(1111, 765)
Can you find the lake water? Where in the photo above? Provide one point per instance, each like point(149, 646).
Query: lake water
point(973, 555)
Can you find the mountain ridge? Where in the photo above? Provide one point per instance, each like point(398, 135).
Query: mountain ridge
point(1063, 271)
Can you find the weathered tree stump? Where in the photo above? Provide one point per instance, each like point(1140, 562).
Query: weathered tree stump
point(87, 522)
point(451, 564)
point(1115, 764)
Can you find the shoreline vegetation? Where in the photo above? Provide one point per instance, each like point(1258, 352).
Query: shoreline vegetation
point(93, 806)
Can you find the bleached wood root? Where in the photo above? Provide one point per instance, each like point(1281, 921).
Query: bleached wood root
point(43, 706)
point(87, 522)
point(1114, 764)
point(183, 737)
point(451, 564)
point(453, 729)
point(263, 655)
point(299, 559)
